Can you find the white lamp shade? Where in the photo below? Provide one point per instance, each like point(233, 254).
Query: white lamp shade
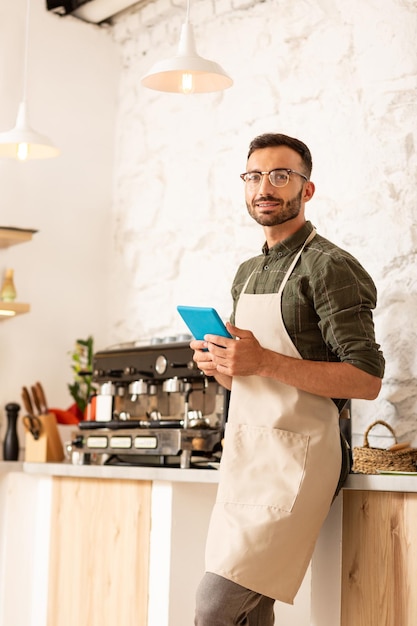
point(23, 142)
point(187, 72)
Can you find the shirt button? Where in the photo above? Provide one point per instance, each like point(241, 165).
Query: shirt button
point(279, 254)
point(266, 267)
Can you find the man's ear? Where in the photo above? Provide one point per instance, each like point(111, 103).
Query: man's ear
point(309, 190)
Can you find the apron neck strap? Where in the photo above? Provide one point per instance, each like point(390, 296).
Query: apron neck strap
point(297, 256)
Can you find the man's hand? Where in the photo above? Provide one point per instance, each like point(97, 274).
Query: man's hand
point(235, 357)
point(203, 357)
point(224, 358)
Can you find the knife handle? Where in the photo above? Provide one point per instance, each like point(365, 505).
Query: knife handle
point(42, 397)
point(27, 402)
point(36, 400)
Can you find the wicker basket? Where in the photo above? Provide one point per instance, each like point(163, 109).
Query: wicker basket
point(368, 460)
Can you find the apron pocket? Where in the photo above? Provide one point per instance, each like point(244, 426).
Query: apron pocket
point(262, 466)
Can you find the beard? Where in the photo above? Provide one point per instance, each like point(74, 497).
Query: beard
point(286, 211)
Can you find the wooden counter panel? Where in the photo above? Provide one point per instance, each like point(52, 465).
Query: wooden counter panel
point(379, 559)
point(99, 552)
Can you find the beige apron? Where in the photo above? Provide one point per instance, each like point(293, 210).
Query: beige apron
point(279, 469)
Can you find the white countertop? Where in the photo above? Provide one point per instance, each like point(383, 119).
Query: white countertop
point(359, 482)
point(382, 482)
point(127, 472)
point(10, 466)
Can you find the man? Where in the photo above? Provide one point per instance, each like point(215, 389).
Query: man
point(303, 343)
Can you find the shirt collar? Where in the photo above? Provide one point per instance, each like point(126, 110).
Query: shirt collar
point(291, 243)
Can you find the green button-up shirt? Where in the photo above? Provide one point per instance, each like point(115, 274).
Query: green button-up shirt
point(327, 302)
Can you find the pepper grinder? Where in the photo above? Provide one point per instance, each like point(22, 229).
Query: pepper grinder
point(11, 441)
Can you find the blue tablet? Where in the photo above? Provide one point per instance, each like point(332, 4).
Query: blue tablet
point(203, 321)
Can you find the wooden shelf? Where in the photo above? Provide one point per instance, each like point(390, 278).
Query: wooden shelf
point(10, 236)
point(13, 236)
point(14, 308)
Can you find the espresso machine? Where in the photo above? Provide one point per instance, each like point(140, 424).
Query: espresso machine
point(153, 407)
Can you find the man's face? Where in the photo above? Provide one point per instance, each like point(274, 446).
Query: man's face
point(270, 205)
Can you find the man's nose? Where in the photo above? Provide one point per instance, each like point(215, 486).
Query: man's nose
point(265, 182)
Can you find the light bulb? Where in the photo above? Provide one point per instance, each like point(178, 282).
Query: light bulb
point(22, 151)
point(187, 84)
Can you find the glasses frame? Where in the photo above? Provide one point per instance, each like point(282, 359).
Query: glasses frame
point(276, 169)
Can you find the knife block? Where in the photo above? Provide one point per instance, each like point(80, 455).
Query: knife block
point(49, 446)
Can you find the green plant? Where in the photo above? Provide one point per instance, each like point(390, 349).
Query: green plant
point(82, 366)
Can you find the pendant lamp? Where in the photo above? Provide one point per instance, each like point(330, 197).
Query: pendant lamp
point(187, 72)
point(22, 142)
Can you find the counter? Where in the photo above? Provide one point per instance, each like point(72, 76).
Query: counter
point(97, 545)
point(123, 472)
point(362, 482)
point(10, 466)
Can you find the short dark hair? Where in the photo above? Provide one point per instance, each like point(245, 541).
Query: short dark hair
point(270, 140)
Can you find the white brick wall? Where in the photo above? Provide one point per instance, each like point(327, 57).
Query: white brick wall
point(339, 75)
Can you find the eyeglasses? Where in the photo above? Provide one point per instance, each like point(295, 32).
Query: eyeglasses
point(278, 177)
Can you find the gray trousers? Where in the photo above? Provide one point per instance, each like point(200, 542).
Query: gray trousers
point(221, 602)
